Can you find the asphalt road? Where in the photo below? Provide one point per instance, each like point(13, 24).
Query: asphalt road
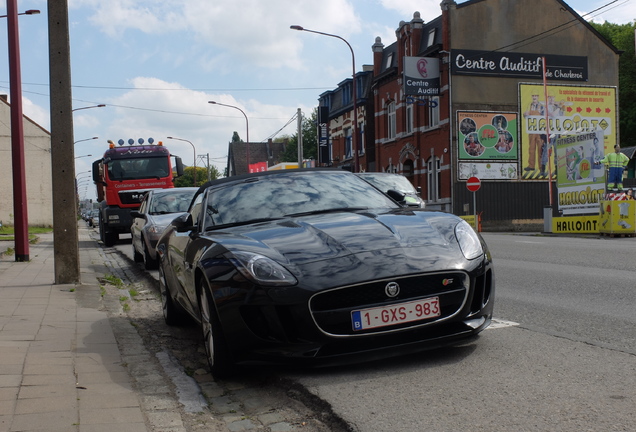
point(569, 364)
point(561, 357)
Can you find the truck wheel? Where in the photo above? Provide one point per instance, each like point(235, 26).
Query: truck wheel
point(110, 238)
point(101, 229)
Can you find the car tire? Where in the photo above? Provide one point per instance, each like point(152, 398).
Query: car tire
point(137, 257)
point(172, 315)
point(149, 262)
point(216, 349)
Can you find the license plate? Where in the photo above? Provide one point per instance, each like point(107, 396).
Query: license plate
point(395, 314)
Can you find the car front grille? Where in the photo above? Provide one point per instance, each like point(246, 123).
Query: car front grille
point(331, 310)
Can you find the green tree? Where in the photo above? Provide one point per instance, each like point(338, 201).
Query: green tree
point(622, 37)
point(310, 140)
point(187, 179)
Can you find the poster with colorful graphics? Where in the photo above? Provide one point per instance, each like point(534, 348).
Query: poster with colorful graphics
point(487, 135)
point(568, 110)
point(487, 170)
point(579, 173)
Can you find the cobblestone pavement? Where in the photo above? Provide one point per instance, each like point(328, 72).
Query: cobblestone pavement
point(168, 366)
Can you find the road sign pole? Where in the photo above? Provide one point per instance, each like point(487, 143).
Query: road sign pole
point(473, 184)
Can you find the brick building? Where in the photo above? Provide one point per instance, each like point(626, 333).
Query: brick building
point(490, 56)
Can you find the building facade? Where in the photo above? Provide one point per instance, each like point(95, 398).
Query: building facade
point(477, 120)
point(37, 157)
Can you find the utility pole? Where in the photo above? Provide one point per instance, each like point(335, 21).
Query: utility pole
point(300, 138)
point(65, 235)
point(207, 164)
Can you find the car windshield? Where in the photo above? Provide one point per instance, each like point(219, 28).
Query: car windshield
point(292, 193)
point(173, 202)
point(385, 182)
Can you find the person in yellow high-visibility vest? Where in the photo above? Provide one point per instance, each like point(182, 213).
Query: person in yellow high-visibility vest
point(617, 162)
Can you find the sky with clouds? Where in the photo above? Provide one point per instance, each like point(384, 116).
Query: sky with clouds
point(155, 64)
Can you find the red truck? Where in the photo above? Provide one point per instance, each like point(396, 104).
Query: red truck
point(122, 177)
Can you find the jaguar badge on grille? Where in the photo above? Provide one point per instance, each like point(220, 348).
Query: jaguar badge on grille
point(392, 289)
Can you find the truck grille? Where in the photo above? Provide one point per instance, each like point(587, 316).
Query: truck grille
point(131, 197)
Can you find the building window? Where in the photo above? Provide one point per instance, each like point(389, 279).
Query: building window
point(431, 38)
point(346, 95)
point(348, 144)
point(361, 139)
point(433, 111)
point(391, 120)
point(389, 60)
point(409, 118)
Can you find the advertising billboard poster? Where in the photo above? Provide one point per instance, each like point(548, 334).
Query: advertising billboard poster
point(487, 135)
point(488, 170)
point(569, 110)
point(617, 217)
point(579, 175)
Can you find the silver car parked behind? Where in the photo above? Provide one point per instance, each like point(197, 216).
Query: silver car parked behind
point(158, 208)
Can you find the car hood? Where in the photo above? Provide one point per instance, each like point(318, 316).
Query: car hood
point(356, 246)
point(164, 219)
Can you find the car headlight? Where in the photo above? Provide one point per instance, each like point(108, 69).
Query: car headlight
point(468, 240)
point(262, 270)
point(157, 229)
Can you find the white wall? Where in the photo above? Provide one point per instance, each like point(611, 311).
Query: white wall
point(37, 158)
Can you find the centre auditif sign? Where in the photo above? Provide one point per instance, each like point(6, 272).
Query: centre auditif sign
point(421, 76)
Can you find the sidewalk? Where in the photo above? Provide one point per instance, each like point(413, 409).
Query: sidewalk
point(60, 366)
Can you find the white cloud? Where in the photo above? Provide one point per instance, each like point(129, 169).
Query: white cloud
point(36, 113)
point(428, 9)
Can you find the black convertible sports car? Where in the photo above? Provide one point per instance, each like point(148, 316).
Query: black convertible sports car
point(318, 266)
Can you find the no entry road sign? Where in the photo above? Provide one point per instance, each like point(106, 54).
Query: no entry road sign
point(473, 184)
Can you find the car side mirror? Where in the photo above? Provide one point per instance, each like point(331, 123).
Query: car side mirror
point(183, 223)
point(396, 195)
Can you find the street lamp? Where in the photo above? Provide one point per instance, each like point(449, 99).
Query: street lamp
point(85, 139)
point(88, 107)
point(356, 162)
point(247, 131)
point(27, 12)
point(17, 133)
point(77, 157)
point(194, 165)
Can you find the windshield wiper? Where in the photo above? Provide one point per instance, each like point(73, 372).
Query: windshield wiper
point(331, 210)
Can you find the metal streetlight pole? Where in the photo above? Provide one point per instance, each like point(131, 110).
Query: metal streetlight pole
point(83, 156)
point(194, 165)
point(247, 131)
point(17, 133)
point(356, 162)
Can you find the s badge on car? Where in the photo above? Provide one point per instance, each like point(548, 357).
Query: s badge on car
point(392, 289)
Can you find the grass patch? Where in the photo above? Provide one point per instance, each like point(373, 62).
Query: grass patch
point(114, 280)
point(7, 233)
